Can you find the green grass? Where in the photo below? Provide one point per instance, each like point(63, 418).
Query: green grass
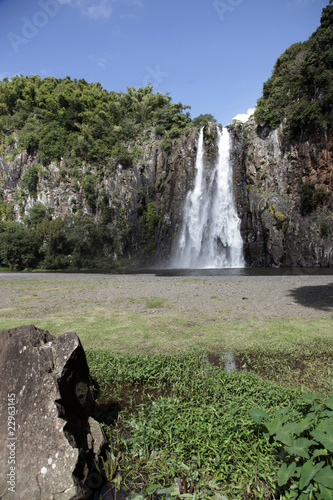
point(155, 303)
point(102, 319)
point(170, 414)
point(194, 423)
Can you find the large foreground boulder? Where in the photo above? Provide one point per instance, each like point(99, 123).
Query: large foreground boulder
point(48, 439)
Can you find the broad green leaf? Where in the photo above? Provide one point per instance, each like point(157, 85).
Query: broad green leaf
point(258, 415)
point(162, 491)
point(325, 477)
point(275, 424)
point(310, 398)
point(319, 453)
point(152, 488)
point(284, 473)
point(299, 447)
point(329, 402)
point(284, 437)
point(325, 493)
point(327, 413)
point(326, 421)
point(308, 471)
point(325, 437)
point(304, 424)
point(292, 427)
point(173, 490)
point(282, 411)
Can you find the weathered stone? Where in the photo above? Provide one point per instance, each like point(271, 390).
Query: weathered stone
point(48, 436)
point(268, 174)
point(267, 171)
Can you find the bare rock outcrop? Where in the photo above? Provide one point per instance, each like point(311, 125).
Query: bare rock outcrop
point(284, 194)
point(49, 441)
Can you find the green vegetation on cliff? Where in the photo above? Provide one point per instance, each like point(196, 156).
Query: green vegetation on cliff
point(79, 121)
point(88, 132)
point(300, 90)
point(71, 242)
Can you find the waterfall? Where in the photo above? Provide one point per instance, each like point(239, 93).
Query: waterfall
point(210, 233)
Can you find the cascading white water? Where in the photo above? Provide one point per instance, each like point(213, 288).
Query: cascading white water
point(210, 235)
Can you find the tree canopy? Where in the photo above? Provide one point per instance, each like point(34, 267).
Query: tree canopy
point(76, 120)
point(300, 90)
point(201, 120)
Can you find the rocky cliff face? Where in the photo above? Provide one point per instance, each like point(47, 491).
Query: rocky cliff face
point(283, 193)
point(284, 197)
point(144, 201)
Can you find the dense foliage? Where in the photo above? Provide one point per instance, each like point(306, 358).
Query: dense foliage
point(192, 430)
point(72, 242)
point(92, 131)
point(300, 90)
point(202, 120)
point(75, 120)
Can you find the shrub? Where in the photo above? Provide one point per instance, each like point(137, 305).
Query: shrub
point(36, 214)
point(321, 195)
point(89, 189)
point(300, 90)
point(202, 120)
point(19, 247)
point(30, 180)
point(306, 192)
point(53, 143)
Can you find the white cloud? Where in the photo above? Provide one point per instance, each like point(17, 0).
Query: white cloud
point(98, 10)
point(94, 9)
point(102, 63)
point(102, 60)
point(300, 4)
point(243, 117)
point(102, 9)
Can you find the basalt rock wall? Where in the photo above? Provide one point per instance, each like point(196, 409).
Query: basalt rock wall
point(283, 193)
point(284, 196)
point(145, 201)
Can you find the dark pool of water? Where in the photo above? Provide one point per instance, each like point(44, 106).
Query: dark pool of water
point(267, 271)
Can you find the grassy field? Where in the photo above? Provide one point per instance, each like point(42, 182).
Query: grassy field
point(180, 426)
point(288, 349)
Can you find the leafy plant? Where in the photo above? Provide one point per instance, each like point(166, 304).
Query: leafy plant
point(63, 118)
point(281, 219)
point(300, 90)
point(89, 188)
point(189, 434)
point(30, 180)
point(202, 120)
point(311, 197)
point(19, 248)
point(306, 447)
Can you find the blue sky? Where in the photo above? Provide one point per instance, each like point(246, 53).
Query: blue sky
point(213, 55)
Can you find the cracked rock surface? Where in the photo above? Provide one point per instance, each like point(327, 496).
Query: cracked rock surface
point(50, 441)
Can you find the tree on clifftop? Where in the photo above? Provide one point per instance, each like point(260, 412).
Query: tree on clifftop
point(300, 90)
